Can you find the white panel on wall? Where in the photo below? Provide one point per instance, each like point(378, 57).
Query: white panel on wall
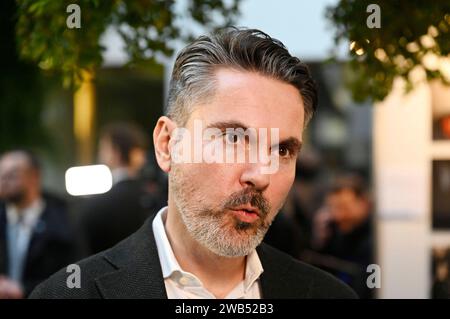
point(402, 142)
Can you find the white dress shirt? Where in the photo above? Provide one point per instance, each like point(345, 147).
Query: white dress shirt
point(20, 228)
point(184, 285)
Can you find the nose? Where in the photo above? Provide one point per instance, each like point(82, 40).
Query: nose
point(252, 176)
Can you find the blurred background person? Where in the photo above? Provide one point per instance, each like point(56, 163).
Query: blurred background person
point(36, 238)
point(342, 230)
point(108, 218)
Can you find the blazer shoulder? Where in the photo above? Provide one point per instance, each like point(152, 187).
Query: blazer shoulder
point(324, 285)
point(319, 284)
point(62, 284)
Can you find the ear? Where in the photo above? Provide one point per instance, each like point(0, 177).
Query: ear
point(161, 140)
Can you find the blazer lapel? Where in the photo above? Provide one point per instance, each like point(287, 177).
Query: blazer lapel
point(138, 274)
point(38, 240)
point(276, 281)
point(47, 228)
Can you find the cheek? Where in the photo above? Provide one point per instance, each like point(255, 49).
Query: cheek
point(212, 180)
point(280, 185)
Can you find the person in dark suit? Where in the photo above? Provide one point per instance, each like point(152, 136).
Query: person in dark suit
point(343, 229)
point(226, 90)
point(36, 238)
point(132, 269)
point(108, 218)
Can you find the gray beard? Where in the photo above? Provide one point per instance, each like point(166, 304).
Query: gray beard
point(211, 229)
point(224, 240)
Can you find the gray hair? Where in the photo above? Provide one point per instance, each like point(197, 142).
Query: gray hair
point(252, 50)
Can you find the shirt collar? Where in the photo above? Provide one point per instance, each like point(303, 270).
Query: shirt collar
point(171, 267)
point(169, 263)
point(28, 216)
point(253, 270)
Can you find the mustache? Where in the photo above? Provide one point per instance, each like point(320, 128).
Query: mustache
point(249, 196)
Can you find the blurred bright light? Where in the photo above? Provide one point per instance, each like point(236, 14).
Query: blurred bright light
point(352, 45)
point(355, 47)
point(360, 51)
point(88, 180)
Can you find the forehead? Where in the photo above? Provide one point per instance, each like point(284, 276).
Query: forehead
point(256, 100)
point(13, 162)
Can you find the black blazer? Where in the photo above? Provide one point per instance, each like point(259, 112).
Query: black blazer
point(52, 244)
point(131, 269)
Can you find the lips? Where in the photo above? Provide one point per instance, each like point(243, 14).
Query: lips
point(246, 213)
point(247, 208)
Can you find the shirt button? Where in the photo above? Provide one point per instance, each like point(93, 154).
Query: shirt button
point(184, 281)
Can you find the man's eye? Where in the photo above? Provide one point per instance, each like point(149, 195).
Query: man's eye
point(232, 138)
point(283, 151)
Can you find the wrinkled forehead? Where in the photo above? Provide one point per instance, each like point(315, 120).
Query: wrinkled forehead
point(256, 101)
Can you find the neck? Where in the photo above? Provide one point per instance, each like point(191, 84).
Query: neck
point(199, 260)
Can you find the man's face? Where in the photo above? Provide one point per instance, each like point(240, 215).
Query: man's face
point(15, 178)
point(228, 207)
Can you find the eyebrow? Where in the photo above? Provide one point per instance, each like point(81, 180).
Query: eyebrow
point(227, 124)
point(292, 143)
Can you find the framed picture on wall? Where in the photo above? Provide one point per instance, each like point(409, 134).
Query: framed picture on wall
point(441, 194)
